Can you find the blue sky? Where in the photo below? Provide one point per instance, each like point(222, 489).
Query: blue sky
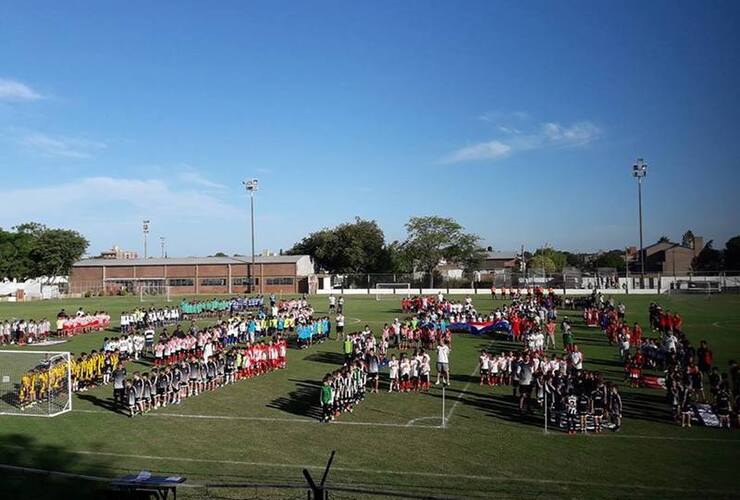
point(519, 119)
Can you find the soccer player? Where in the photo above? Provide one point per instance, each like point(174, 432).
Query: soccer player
point(393, 374)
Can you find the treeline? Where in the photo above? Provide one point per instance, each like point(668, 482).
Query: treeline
point(32, 250)
point(360, 247)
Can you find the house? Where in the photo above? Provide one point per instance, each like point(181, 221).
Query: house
point(667, 257)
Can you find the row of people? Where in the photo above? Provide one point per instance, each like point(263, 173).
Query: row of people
point(22, 332)
point(151, 317)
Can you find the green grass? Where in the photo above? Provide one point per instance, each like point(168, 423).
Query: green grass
point(486, 451)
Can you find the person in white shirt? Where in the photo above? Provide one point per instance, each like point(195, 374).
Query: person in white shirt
point(443, 362)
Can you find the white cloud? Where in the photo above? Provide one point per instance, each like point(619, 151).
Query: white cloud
point(492, 150)
point(13, 90)
point(109, 210)
point(102, 195)
point(518, 138)
point(192, 176)
point(576, 134)
point(59, 146)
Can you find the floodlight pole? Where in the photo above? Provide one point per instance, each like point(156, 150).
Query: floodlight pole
point(161, 243)
point(251, 186)
point(145, 229)
point(639, 171)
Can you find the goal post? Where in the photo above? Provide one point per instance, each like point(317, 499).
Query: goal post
point(147, 292)
point(35, 383)
point(392, 289)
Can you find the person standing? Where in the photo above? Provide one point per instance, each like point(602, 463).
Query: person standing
point(119, 384)
point(340, 326)
point(443, 362)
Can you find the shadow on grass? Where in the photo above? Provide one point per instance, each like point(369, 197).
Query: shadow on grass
point(330, 358)
point(303, 401)
point(106, 404)
point(54, 463)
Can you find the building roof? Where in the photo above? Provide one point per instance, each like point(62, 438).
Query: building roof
point(258, 259)
point(500, 255)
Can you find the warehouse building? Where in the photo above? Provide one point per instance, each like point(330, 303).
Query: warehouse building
point(195, 275)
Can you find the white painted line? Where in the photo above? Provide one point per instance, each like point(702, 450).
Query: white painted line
point(265, 419)
point(411, 422)
point(459, 397)
point(616, 484)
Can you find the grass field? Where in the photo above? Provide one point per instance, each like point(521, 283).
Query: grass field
point(265, 430)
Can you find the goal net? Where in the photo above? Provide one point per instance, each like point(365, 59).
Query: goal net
point(147, 292)
point(392, 289)
point(35, 383)
point(695, 287)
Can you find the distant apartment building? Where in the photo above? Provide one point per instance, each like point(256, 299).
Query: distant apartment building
point(117, 253)
point(667, 257)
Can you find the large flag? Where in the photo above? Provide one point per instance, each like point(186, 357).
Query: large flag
point(476, 328)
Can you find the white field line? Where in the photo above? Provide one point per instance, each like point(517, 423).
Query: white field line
point(266, 419)
point(404, 473)
point(459, 398)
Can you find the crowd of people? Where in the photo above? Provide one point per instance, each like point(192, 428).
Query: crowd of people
point(194, 371)
point(23, 332)
point(81, 322)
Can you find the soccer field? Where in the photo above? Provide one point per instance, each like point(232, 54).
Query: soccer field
point(265, 429)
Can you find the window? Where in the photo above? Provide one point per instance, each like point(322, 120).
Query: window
point(279, 281)
point(244, 281)
point(181, 282)
point(213, 282)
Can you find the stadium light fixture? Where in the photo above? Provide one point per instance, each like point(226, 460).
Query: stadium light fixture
point(251, 185)
point(639, 172)
point(145, 230)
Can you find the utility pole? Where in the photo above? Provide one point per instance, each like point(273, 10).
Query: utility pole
point(162, 244)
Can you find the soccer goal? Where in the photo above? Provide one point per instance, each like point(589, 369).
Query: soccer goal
point(35, 383)
point(392, 289)
point(147, 292)
point(695, 287)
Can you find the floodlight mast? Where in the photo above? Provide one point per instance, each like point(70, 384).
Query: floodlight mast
point(639, 172)
point(251, 185)
point(145, 230)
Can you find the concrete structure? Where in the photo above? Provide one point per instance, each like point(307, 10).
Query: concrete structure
point(666, 257)
point(196, 275)
point(117, 253)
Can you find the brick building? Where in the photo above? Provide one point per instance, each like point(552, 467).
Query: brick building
point(668, 258)
point(196, 275)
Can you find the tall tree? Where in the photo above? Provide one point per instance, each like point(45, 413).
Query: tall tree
point(55, 250)
point(612, 258)
point(432, 239)
point(732, 254)
point(708, 259)
point(349, 248)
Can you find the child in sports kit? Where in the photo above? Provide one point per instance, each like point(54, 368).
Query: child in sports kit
point(425, 368)
point(584, 405)
point(326, 399)
point(483, 367)
point(414, 372)
point(393, 374)
point(571, 410)
point(405, 370)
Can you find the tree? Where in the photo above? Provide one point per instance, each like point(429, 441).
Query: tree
point(31, 250)
point(664, 239)
point(55, 250)
point(732, 254)
point(432, 239)
point(612, 258)
point(349, 248)
point(540, 261)
point(708, 259)
point(558, 259)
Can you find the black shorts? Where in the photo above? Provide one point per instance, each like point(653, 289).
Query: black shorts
point(483, 371)
point(525, 389)
point(598, 412)
point(372, 376)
